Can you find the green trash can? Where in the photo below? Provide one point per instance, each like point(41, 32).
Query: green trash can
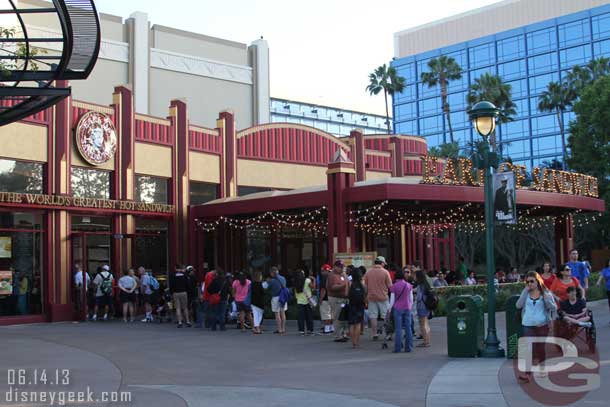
point(465, 326)
point(514, 329)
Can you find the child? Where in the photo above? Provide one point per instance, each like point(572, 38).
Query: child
point(574, 309)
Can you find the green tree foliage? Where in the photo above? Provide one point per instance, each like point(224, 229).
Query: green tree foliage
point(557, 98)
point(442, 70)
point(387, 80)
point(449, 150)
point(19, 50)
point(589, 142)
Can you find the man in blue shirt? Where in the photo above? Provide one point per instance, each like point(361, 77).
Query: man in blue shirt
point(275, 284)
point(579, 269)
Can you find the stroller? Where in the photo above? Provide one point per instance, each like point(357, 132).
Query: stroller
point(163, 310)
point(387, 330)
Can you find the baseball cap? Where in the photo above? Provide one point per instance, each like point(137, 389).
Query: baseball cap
point(381, 259)
point(326, 267)
point(105, 267)
point(339, 263)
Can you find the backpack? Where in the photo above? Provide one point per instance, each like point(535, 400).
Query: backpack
point(430, 299)
point(153, 283)
point(106, 285)
point(356, 295)
point(284, 296)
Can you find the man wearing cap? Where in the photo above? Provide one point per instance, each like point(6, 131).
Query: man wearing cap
point(103, 290)
point(502, 201)
point(337, 286)
point(325, 313)
point(378, 282)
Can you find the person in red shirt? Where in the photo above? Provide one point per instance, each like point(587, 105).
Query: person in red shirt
point(547, 274)
point(204, 311)
point(563, 281)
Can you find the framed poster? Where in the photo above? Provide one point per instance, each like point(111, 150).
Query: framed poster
point(505, 203)
point(6, 282)
point(358, 259)
point(6, 247)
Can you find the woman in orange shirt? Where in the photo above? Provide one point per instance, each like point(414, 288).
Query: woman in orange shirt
point(563, 281)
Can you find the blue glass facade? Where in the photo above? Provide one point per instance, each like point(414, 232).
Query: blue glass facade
point(527, 58)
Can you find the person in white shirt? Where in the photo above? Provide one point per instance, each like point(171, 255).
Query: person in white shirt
point(78, 285)
point(103, 290)
point(128, 284)
point(472, 279)
point(146, 292)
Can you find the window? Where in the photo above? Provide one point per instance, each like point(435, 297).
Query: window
point(407, 72)
point(245, 190)
point(542, 63)
point(21, 279)
point(462, 137)
point(406, 111)
point(460, 58)
point(151, 245)
point(482, 55)
point(516, 148)
point(511, 48)
point(202, 192)
point(601, 49)
point(573, 33)
point(457, 101)
point(430, 106)
point(512, 70)
point(540, 83)
point(459, 119)
point(515, 129)
point(151, 189)
point(20, 176)
point(544, 125)
point(518, 88)
point(575, 56)
point(408, 93)
point(541, 41)
point(547, 145)
point(88, 183)
point(474, 75)
point(601, 26)
point(426, 91)
point(409, 127)
point(431, 125)
point(435, 140)
point(522, 108)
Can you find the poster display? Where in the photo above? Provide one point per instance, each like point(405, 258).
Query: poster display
point(6, 282)
point(357, 259)
point(505, 206)
point(6, 247)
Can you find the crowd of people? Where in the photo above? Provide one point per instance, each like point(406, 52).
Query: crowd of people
point(386, 299)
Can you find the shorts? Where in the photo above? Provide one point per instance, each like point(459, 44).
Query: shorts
point(149, 299)
point(275, 304)
point(355, 314)
point(378, 309)
point(103, 300)
point(242, 306)
point(325, 314)
point(127, 297)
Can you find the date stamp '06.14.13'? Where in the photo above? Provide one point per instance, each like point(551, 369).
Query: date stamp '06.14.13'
point(53, 387)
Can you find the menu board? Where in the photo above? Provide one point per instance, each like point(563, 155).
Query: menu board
point(6, 282)
point(365, 259)
point(6, 247)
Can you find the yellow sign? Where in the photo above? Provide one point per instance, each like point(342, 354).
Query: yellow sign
point(358, 259)
point(94, 203)
point(460, 172)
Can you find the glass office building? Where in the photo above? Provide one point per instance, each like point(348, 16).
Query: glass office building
point(527, 58)
point(336, 121)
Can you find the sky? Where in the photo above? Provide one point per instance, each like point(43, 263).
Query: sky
point(321, 51)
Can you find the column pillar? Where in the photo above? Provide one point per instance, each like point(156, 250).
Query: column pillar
point(429, 251)
point(226, 128)
point(564, 238)
point(452, 262)
point(358, 153)
point(340, 176)
point(397, 152)
point(180, 169)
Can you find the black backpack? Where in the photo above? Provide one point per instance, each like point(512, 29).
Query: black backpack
point(430, 299)
point(356, 295)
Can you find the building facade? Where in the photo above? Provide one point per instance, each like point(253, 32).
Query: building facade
point(334, 120)
point(527, 43)
point(163, 63)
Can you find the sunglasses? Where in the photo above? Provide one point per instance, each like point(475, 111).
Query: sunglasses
point(531, 281)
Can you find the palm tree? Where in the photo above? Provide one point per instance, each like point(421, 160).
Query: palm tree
point(387, 80)
point(491, 88)
point(442, 70)
point(599, 67)
point(557, 98)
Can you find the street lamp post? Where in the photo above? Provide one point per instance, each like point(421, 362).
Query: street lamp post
point(483, 115)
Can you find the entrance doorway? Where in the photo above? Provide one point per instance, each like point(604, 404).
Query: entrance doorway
point(91, 247)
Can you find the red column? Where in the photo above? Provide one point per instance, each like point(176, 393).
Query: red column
point(564, 238)
point(340, 176)
point(397, 151)
point(226, 127)
point(429, 251)
point(180, 170)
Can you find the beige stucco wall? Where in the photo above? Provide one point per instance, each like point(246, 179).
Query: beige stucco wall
point(206, 97)
point(204, 167)
point(189, 43)
point(153, 160)
point(99, 86)
point(485, 21)
point(23, 141)
point(377, 175)
point(279, 175)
